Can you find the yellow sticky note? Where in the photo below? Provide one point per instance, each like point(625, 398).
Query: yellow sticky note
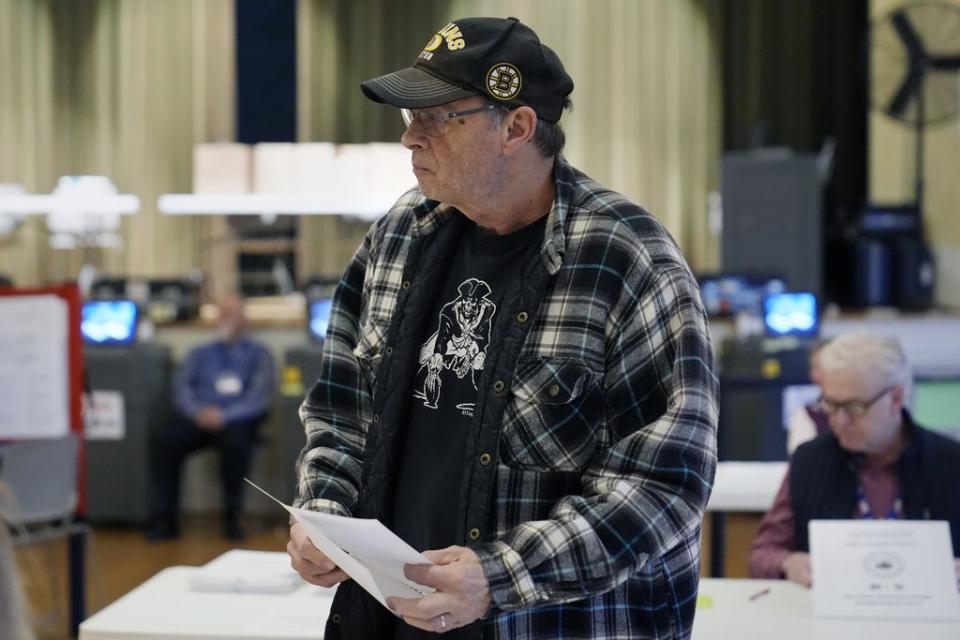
point(704, 602)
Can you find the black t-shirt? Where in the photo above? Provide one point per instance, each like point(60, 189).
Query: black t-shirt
point(428, 483)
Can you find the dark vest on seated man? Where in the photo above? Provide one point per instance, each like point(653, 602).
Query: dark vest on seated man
point(823, 481)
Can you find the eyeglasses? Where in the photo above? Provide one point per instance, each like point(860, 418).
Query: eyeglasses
point(853, 408)
point(435, 123)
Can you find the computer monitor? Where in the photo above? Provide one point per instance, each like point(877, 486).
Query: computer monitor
point(108, 289)
point(791, 314)
point(318, 312)
point(173, 299)
point(727, 294)
point(111, 322)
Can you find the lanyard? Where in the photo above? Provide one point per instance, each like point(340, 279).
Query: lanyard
point(866, 513)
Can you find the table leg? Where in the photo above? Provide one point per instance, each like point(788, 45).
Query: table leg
point(718, 542)
point(78, 584)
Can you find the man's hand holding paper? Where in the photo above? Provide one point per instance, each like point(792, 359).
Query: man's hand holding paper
point(462, 594)
point(311, 563)
point(325, 549)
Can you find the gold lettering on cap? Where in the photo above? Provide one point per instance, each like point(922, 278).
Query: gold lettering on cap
point(454, 37)
point(435, 42)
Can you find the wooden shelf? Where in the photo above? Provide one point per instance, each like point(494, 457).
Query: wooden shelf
point(267, 246)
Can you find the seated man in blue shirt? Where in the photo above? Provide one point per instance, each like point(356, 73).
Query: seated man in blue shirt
point(221, 392)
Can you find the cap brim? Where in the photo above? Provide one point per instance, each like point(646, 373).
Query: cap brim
point(413, 88)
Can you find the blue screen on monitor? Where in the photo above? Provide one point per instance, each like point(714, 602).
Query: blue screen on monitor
point(109, 322)
point(791, 314)
point(319, 317)
point(726, 295)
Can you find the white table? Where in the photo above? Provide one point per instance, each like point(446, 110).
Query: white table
point(725, 611)
point(746, 486)
point(165, 607)
point(739, 487)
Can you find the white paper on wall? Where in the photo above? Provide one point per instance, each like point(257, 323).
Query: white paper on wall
point(103, 416)
point(34, 367)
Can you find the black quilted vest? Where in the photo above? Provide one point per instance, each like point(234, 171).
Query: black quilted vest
point(823, 482)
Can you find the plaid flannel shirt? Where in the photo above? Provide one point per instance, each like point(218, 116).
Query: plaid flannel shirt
point(606, 444)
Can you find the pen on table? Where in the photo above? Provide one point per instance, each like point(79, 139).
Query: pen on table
point(758, 594)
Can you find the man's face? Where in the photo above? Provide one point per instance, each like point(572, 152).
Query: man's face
point(232, 322)
point(459, 166)
point(877, 428)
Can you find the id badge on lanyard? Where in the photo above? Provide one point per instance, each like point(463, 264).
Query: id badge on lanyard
point(229, 384)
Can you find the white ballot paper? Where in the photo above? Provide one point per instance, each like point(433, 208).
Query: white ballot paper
point(243, 571)
point(894, 569)
point(366, 550)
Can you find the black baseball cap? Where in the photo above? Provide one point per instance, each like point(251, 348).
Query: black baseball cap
point(501, 59)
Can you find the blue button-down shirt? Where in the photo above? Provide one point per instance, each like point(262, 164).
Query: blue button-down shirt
point(195, 383)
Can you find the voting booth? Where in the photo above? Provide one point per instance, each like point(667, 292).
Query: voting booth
point(40, 372)
point(754, 383)
point(41, 380)
point(129, 395)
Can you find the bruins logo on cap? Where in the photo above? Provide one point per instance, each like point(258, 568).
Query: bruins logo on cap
point(434, 42)
point(504, 81)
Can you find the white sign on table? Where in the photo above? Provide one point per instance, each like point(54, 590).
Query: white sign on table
point(893, 569)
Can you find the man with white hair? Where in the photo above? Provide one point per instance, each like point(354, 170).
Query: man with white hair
point(875, 462)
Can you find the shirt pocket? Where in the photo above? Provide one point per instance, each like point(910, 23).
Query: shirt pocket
point(554, 415)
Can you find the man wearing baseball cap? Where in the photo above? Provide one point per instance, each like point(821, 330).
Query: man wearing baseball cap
point(517, 378)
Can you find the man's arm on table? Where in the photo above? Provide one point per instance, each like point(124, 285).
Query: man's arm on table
point(773, 556)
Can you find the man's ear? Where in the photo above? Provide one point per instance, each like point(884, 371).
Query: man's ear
point(898, 395)
point(520, 125)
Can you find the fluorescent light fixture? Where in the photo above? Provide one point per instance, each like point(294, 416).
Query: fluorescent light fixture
point(367, 206)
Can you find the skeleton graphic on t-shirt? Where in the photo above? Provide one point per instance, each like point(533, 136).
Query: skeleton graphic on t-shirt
point(459, 344)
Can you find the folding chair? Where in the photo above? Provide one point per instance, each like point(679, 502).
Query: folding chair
point(39, 503)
